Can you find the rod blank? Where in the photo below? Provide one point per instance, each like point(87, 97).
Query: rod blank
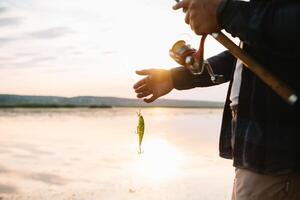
point(281, 88)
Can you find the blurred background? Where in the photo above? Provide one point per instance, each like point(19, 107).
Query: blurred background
point(65, 49)
point(91, 47)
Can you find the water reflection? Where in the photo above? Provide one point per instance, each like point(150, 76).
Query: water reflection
point(160, 161)
point(92, 154)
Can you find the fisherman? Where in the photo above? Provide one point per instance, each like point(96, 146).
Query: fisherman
point(260, 131)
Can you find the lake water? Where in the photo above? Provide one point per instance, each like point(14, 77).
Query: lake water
point(89, 154)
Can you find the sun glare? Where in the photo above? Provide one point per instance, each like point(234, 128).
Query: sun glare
point(159, 162)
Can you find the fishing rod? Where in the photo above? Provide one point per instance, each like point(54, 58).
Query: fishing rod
point(278, 86)
point(194, 61)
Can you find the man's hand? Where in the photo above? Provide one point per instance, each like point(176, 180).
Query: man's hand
point(201, 15)
point(158, 82)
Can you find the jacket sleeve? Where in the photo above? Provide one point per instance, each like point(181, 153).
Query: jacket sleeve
point(271, 24)
point(222, 63)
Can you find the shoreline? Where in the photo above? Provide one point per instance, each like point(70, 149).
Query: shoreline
point(107, 107)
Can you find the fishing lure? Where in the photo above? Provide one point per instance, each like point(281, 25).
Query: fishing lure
point(140, 130)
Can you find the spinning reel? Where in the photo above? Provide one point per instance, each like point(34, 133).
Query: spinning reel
point(192, 59)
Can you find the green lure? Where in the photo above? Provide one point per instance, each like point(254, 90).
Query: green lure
point(140, 130)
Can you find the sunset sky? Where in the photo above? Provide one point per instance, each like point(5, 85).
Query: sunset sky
point(91, 47)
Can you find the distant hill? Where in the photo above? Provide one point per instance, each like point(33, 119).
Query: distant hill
point(97, 102)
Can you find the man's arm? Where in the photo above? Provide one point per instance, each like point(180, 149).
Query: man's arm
point(222, 63)
point(159, 82)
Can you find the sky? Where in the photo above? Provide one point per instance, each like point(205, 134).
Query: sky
point(91, 47)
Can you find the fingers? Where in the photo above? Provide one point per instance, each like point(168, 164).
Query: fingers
point(141, 89)
point(182, 4)
point(144, 72)
point(187, 17)
point(140, 83)
point(144, 81)
point(144, 94)
point(151, 99)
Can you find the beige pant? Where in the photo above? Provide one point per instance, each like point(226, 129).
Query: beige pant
point(252, 186)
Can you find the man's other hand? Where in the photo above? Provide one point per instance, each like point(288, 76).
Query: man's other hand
point(158, 82)
point(201, 15)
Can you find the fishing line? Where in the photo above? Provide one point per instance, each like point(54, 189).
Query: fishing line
point(137, 131)
point(126, 69)
point(189, 39)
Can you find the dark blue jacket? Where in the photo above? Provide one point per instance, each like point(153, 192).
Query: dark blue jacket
point(267, 136)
